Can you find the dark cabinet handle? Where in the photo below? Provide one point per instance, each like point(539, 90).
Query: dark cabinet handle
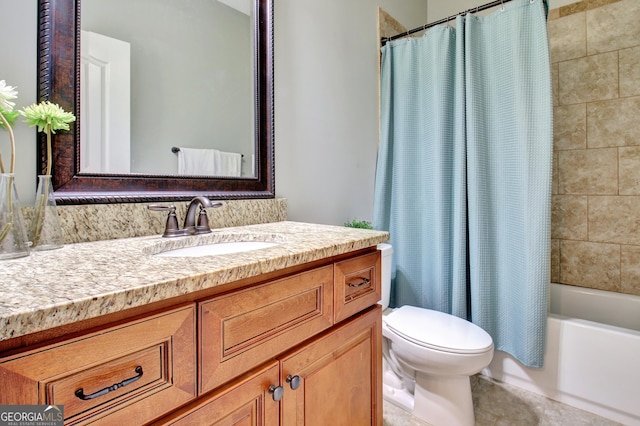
point(277, 392)
point(294, 381)
point(364, 281)
point(80, 392)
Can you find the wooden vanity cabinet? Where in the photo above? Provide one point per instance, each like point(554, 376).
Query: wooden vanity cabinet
point(322, 325)
point(334, 379)
point(301, 347)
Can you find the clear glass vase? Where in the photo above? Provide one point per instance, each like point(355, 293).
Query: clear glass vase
point(45, 231)
point(13, 235)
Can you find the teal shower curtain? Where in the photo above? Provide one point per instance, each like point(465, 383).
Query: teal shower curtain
point(463, 181)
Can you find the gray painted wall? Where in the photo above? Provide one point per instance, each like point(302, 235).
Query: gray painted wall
point(327, 104)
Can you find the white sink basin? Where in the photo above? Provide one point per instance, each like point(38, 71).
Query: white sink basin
point(217, 249)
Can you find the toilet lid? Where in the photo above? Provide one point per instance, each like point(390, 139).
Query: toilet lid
point(437, 330)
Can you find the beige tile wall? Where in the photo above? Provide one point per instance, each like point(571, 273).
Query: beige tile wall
point(595, 55)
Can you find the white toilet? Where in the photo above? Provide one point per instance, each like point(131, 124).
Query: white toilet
point(428, 357)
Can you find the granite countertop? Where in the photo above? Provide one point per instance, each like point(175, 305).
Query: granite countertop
point(86, 280)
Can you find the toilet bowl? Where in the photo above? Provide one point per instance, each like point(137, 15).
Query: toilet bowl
point(428, 357)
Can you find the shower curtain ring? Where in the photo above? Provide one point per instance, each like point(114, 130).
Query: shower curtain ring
point(501, 5)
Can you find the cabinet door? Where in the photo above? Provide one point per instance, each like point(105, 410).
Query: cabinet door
point(247, 402)
point(338, 377)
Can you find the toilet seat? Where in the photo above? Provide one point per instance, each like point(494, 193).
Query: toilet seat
point(438, 330)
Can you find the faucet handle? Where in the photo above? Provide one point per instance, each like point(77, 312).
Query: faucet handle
point(202, 227)
point(171, 228)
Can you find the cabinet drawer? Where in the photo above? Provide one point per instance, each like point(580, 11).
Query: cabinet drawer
point(357, 285)
point(248, 327)
point(89, 389)
point(147, 366)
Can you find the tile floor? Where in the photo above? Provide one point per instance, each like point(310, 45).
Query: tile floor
point(499, 404)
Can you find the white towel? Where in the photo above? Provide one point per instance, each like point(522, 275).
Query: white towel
point(193, 161)
point(208, 162)
point(230, 164)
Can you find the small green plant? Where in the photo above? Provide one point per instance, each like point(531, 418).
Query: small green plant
point(363, 224)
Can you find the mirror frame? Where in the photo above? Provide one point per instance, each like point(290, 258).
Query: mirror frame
point(59, 82)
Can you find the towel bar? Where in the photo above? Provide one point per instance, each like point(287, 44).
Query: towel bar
point(175, 150)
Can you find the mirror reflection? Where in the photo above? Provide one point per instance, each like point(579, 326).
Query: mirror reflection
point(167, 87)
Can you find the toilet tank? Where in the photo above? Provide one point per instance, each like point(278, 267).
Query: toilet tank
point(386, 251)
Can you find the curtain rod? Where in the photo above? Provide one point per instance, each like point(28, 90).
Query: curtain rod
point(495, 3)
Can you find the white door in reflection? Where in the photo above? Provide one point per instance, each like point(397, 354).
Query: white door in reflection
point(105, 115)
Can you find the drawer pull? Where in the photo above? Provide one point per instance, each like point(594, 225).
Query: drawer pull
point(80, 392)
point(294, 381)
point(277, 392)
point(364, 281)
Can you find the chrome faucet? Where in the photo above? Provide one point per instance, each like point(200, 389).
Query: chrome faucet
point(191, 225)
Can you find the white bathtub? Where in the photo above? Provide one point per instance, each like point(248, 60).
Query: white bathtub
point(592, 360)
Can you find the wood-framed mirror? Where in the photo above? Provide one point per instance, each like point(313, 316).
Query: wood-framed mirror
point(59, 72)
